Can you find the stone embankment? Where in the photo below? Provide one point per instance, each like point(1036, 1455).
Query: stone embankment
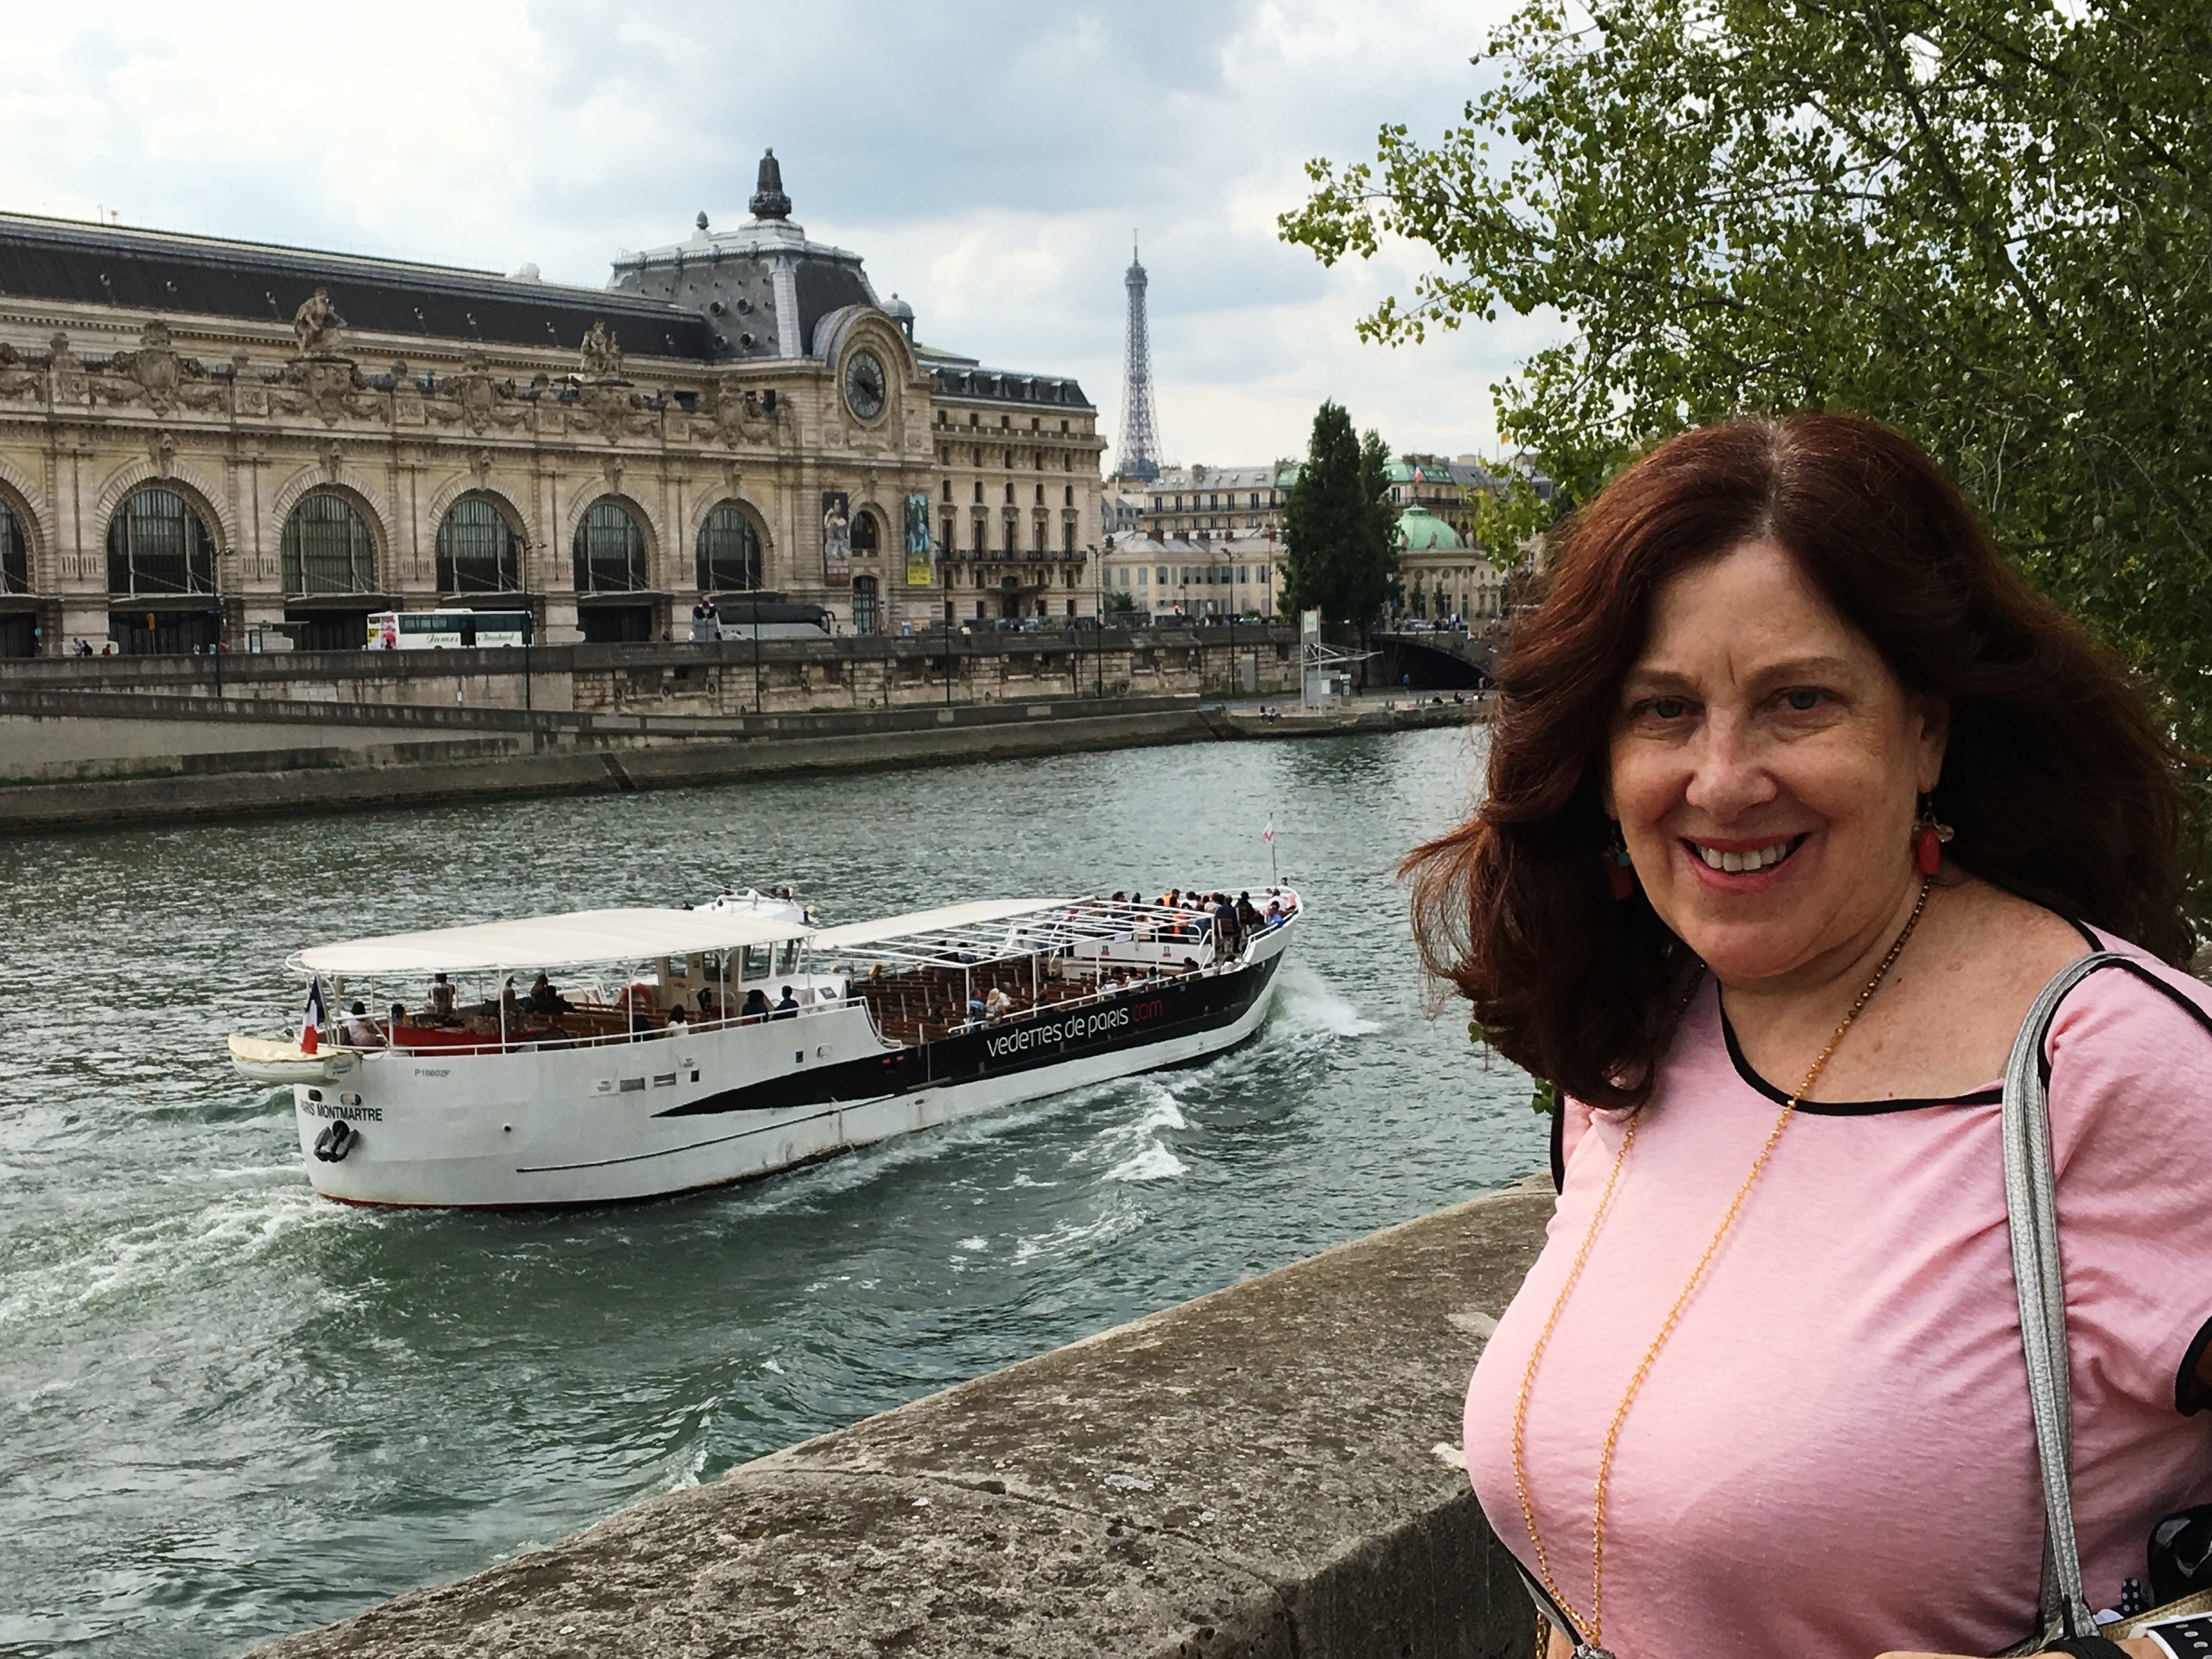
point(101, 741)
point(1270, 1470)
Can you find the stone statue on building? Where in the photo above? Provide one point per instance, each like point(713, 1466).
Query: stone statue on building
point(603, 359)
point(318, 327)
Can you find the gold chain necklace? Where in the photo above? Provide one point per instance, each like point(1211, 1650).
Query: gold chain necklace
point(1592, 1629)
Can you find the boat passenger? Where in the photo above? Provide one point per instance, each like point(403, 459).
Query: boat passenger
point(675, 1019)
point(789, 1008)
point(755, 1005)
point(1190, 964)
point(361, 1030)
point(544, 1001)
point(1247, 917)
point(510, 1006)
point(442, 998)
point(997, 1004)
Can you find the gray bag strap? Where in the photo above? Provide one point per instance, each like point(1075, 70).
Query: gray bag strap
point(2032, 1218)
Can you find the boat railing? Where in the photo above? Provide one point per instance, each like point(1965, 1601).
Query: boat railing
point(467, 1042)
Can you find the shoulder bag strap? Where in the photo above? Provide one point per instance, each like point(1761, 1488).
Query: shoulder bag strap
point(2032, 1218)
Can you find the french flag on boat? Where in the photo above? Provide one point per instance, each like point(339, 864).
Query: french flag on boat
point(311, 1022)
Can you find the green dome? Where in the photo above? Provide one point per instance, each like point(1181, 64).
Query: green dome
point(1418, 528)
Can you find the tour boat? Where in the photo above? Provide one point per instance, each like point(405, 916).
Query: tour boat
point(650, 1067)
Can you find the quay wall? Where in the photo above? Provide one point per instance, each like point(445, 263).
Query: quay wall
point(72, 757)
point(1270, 1472)
point(721, 680)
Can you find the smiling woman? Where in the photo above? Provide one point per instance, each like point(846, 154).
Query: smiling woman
point(1764, 1392)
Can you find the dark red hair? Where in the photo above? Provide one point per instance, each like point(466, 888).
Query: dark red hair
point(2059, 786)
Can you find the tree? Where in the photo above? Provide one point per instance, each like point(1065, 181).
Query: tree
point(1119, 604)
point(1988, 222)
point(1339, 556)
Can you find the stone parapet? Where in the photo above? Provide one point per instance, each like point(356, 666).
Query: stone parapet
point(726, 679)
point(1270, 1470)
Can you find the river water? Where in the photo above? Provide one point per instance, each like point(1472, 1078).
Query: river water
point(229, 1409)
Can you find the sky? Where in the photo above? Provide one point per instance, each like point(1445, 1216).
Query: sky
point(990, 160)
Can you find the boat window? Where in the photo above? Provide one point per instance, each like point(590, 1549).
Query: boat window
point(787, 956)
point(756, 962)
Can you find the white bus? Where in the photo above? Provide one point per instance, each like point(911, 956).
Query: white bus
point(447, 631)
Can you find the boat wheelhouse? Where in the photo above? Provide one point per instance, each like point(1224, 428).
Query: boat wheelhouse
point(656, 1051)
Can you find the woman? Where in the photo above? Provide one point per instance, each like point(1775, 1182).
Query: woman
point(1798, 795)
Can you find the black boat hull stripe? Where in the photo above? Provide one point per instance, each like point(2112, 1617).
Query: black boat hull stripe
point(1136, 1019)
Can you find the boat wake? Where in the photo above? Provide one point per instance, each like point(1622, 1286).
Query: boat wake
point(212, 1241)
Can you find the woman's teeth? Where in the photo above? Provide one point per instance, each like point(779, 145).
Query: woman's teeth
point(1737, 862)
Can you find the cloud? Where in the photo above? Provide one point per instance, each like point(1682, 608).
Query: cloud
point(989, 160)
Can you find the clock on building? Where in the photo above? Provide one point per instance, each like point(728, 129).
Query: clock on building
point(865, 385)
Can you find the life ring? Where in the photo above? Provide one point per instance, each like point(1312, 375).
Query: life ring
point(334, 1142)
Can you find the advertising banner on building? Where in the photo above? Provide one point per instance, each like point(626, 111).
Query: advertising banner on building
point(836, 538)
point(919, 572)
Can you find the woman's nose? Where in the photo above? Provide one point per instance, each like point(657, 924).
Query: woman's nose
point(1728, 775)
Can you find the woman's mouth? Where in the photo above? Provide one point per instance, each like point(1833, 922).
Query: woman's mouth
point(1744, 860)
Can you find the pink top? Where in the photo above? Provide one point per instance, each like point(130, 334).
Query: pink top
point(1832, 1456)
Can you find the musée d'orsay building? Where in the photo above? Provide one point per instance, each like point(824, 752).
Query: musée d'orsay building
point(199, 435)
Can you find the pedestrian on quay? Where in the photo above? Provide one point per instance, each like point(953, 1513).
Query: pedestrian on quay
point(1797, 797)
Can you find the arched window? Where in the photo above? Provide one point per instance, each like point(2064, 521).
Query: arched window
point(478, 551)
point(156, 544)
point(610, 551)
point(14, 552)
point(867, 538)
point(867, 614)
point(729, 551)
point(327, 547)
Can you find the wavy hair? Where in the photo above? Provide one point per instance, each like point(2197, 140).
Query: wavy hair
point(2060, 787)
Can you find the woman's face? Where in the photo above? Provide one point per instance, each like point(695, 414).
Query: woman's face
point(1764, 765)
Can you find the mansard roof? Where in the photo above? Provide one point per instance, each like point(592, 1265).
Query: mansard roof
point(152, 271)
point(1004, 385)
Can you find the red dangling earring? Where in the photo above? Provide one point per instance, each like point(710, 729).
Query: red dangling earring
point(1619, 873)
point(1928, 838)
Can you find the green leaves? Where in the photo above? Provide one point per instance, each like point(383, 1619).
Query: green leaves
point(1982, 221)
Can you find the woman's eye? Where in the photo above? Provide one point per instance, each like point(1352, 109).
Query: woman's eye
point(1803, 699)
point(1668, 709)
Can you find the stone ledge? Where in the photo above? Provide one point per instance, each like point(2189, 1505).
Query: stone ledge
point(1257, 1473)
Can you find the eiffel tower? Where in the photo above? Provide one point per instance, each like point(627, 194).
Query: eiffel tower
point(1139, 458)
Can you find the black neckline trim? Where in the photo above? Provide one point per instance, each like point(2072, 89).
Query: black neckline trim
point(1989, 1097)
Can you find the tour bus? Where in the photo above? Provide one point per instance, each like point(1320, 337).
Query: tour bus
point(740, 619)
point(444, 630)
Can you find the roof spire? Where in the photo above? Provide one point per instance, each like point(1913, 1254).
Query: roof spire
point(768, 200)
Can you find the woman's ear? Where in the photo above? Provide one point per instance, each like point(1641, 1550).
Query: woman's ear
point(1933, 739)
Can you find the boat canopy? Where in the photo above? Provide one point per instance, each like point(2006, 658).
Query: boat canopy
point(947, 920)
point(580, 937)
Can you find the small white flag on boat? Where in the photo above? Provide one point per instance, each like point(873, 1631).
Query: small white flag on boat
point(1268, 834)
point(311, 1021)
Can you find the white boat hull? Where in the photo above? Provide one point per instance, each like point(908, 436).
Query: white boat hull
point(603, 1123)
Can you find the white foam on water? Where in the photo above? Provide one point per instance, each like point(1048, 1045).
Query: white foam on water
point(973, 1244)
point(693, 1465)
point(1069, 1238)
point(770, 1365)
point(1155, 1163)
point(237, 1228)
point(1304, 1003)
